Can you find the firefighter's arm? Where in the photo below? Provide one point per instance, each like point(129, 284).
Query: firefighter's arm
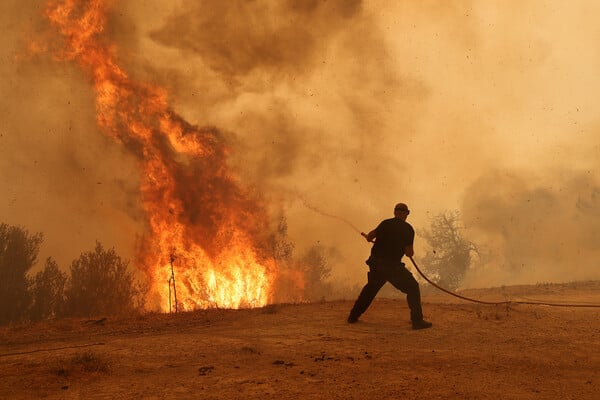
point(369, 236)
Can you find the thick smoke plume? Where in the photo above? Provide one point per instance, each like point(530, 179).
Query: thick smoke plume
point(538, 229)
point(58, 173)
point(355, 105)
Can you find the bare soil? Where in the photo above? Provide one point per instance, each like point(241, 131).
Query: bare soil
point(308, 351)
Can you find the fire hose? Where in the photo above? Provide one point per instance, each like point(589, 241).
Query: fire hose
point(507, 302)
point(495, 302)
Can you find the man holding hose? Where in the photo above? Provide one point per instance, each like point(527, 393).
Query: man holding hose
point(393, 238)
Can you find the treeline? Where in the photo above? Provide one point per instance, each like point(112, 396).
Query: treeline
point(98, 282)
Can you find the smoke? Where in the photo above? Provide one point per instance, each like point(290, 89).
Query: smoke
point(58, 173)
point(314, 106)
point(238, 38)
point(537, 229)
point(482, 107)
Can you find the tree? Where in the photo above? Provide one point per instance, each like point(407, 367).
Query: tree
point(299, 279)
point(316, 271)
point(18, 253)
point(451, 253)
point(281, 247)
point(48, 291)
point(100, 283)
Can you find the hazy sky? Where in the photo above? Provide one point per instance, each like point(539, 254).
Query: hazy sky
point(485, 107)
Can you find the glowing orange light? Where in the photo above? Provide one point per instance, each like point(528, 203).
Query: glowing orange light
point(196, 210)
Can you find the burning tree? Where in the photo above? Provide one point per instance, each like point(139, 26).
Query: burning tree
point(197, 210)
point(450, 256)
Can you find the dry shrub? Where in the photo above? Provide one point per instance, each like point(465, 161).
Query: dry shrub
point(270, 309)
point(101, 284)
point(86, 362)
point(493, 312)
point(18, 253)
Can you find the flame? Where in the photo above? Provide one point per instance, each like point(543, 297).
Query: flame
point(202, 224)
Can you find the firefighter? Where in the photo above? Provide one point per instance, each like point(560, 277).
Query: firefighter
point(392, 239)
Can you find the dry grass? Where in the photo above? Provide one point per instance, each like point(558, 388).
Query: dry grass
point(86, 362)
point(291, 351)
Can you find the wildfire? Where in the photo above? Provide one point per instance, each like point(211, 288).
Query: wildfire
point(197, 211)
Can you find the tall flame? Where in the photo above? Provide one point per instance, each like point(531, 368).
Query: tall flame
point(197, 211)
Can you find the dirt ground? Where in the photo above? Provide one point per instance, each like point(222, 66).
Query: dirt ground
point(308, 351)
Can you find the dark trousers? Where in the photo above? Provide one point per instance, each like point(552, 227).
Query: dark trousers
point(396, 274)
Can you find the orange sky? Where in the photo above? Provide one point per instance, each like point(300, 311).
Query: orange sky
point(485, 107)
